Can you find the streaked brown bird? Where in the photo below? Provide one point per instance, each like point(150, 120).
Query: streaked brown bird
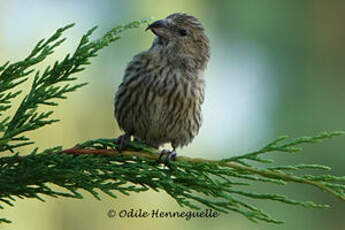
point(159, 100)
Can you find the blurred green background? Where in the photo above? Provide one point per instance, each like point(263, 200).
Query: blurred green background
point(276, 68)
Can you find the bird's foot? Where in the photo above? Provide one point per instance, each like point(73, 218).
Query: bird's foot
point(122, 141)
point(170, 155)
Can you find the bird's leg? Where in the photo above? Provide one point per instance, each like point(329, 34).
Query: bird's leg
point(122, 141)
point(170, 155)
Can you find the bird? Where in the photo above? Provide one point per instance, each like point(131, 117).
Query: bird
point(162, 90)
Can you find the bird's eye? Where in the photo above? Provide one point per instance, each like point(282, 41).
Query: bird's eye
point(182, 32)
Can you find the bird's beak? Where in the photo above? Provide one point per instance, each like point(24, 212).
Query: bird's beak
point(159, 28)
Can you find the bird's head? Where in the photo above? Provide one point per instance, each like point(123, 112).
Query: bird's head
point(181, 37)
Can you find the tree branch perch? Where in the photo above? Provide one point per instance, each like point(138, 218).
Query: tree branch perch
point(240, 167)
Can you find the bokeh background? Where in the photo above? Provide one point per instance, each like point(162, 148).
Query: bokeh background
point(276, 68)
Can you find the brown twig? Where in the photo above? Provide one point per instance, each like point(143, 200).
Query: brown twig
point(262, 172)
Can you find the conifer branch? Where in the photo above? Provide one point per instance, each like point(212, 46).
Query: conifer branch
point(95, 165)
point(46, 86)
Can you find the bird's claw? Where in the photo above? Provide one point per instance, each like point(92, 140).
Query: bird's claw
point(122, 142)
point(170, 155)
